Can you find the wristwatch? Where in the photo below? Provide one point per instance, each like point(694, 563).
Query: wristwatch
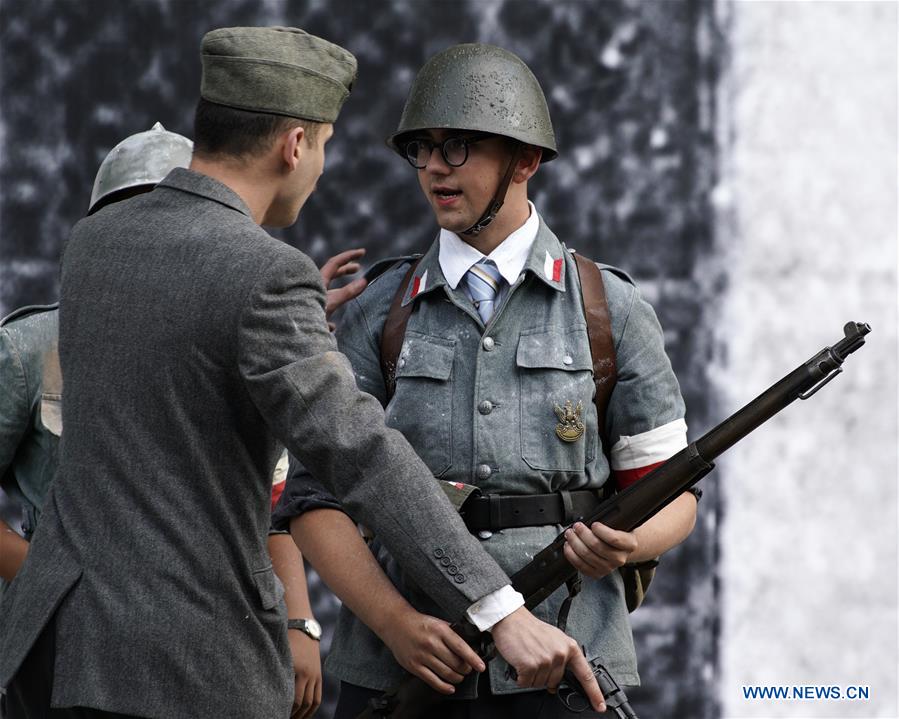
point(309, 627)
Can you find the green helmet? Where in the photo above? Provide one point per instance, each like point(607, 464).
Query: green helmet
point(481, 88)
point(141, 159)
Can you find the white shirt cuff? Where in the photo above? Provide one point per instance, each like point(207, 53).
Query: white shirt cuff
point(494, 607)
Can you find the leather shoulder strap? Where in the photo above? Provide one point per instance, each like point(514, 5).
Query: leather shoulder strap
point(380, 267)
point(28, 310)
point(602, 346)
point(394, 331)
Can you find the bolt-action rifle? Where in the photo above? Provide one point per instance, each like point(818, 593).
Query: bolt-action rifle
point(626, 511)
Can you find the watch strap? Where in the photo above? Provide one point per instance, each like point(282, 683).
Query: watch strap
point(303, 626)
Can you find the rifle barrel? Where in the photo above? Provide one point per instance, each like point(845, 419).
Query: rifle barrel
point(629, 508)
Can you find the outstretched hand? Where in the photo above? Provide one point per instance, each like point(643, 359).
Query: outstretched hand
point(345, 263)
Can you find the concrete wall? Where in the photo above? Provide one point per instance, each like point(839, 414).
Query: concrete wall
point(807, 227)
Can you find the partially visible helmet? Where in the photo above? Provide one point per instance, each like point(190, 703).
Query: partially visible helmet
point(141, 159)
point(481, 88)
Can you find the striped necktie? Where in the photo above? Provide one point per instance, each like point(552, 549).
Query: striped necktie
point(483, 280)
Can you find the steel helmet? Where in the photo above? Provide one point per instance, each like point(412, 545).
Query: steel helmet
point(482, 88)
point(141, 159)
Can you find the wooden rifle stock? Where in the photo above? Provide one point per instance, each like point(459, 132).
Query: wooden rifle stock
point(630, 508)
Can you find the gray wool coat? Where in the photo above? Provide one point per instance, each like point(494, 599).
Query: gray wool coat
point(193, 345)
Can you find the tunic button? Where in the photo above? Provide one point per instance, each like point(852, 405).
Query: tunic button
point(484, 534)
point(567, 359)
point(488, 343)
point(485, 407)
point(401, 363)
point(484, 471)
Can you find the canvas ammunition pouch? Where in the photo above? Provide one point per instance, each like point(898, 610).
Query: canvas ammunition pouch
point(493, 513)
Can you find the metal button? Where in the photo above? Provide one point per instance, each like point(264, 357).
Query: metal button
point(488, 343)
point(401, 363)
point(439, 553)
point(452, 570)
point(484, 471)
point(485, 407)
point(485, 534)
point(460, 579)
point(446, 561)
point(567, 359)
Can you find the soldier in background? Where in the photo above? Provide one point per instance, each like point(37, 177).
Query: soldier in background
point(30, 404)
point(493, 388)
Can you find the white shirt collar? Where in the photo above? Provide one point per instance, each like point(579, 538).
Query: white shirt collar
point(457, 256)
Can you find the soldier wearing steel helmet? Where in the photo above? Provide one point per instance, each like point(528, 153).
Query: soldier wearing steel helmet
point(493, 388)
point(30, 412)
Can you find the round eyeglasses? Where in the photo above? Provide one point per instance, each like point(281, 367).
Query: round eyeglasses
point(453, 149)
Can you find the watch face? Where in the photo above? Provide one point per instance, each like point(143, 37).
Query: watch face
point(313, 629)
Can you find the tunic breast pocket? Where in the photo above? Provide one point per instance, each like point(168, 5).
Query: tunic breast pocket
point(422, 405)
point(558, 418)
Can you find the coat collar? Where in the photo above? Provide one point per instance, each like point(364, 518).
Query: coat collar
point(546, 260)
point(204, 186)
point(428, 276)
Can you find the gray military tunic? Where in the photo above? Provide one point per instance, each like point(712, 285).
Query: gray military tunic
point(30, 422)
point(478, 405)
point(30, 412)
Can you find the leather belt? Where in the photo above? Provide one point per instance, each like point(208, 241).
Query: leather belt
point(494, 512)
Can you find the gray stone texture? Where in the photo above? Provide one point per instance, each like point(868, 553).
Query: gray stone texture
point(807, 224)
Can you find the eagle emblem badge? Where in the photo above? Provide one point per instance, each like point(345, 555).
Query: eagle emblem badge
point(570, 427)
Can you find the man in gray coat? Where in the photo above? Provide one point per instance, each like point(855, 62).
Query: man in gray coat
point(192, 345)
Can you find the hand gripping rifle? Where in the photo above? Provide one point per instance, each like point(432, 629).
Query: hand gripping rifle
point(627, 510)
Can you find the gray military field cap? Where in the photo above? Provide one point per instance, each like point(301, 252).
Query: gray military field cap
point(482, 88)
point(277, 70)
point(141, 159)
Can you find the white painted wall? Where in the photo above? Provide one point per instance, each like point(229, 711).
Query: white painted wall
point(808, 225)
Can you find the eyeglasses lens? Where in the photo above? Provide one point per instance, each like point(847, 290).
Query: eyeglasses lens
point(453, 149)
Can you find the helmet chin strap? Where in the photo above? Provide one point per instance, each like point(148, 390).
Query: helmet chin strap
point(498, 198)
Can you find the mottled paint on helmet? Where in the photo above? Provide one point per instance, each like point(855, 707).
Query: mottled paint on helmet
point(482, 88)
point(141, 159)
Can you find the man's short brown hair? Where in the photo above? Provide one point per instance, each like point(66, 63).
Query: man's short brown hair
point(221, 131)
